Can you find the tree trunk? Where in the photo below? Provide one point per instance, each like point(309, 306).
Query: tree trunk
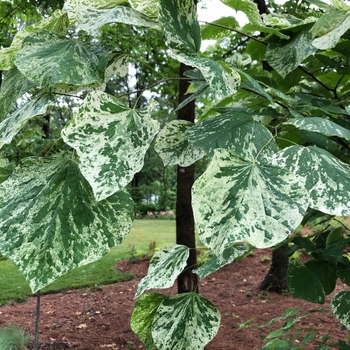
point(276, 278)
point(185, 228)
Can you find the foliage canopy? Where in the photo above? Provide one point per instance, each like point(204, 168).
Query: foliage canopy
point(275, 128)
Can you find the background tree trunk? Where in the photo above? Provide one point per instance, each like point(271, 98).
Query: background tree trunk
point(276, 278)
point(185, 228)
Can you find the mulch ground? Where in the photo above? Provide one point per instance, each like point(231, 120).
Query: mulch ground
point(89, 319)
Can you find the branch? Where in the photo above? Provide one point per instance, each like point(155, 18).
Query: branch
point(315, 79)
point(236, 31)
point(155, 84)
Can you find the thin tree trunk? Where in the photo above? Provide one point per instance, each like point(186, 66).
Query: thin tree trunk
point(185, 228)
point(276, 278)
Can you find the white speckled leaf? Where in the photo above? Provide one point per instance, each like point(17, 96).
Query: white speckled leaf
point(341, 307)
point(164, 268)
point(320, 125)
point(326, 177)
point(239, 201)
point(216, 262)
point(10, 126)
point(148, 7)
point(111, 141)
point(340, 23)
point(286, 55)
point(178, 19)
point(174, 148)
point(58, 22)
point(246, 6)
point(13, 86)
point(47, 58)
point(236, 130)
point(91, 19)
point(185, 321)
point(142, 317)
point(50, 222)
point(223, 79)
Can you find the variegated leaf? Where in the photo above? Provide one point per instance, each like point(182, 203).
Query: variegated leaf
point(340, 307)
point(326, 177)
point(142, 317)
point(237, 130)
point(51, 223)
point(239, 201)
point(327, 22)
point(185, 321)
point(216, 262)
point(47, 58)
point(10, 126)
point(286, 55)
point(174, 148)
point(248, 7)
point(164, 268)
point(111, 141)
point(178, 19)
point(13, 86)
point(91, 19)
point(320, 125)
point(148, 7)
point(58, 22)
point(223, 79)
point(74, 6)
point(331, 38)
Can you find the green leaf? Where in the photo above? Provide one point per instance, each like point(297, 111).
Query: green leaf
point(212, 32)
point(185, 321)
point(258, 204)
point(178, 19)
point(13, 86)
point(6, 169)
point(246, 6)
point(344, 275)
point(91, 19)
point(341, 308)
point(235, 129)
point(325, 273)
point(304, 284)
point(286, 55)
point(39, 106)
point(174, 148)
point(164, 268)
point(326, 177)
point(50, 222)
point(47, 58)
point(58, 22)
point(142, 317)
point(216, 262)
point(111, 141)
point(320, 125)
point(332, 37)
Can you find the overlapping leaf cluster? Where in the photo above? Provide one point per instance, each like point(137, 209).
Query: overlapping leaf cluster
point(276, 134)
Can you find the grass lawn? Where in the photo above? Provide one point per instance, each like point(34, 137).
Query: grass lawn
point(13, 286)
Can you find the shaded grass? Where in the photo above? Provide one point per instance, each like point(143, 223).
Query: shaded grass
point(13, 286)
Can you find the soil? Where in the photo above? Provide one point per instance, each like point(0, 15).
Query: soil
point(87, 319)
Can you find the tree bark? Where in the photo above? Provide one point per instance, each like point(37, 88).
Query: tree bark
point(185, 229)
point(276, 278)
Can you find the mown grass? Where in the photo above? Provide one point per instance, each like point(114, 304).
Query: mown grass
point(13, 286)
